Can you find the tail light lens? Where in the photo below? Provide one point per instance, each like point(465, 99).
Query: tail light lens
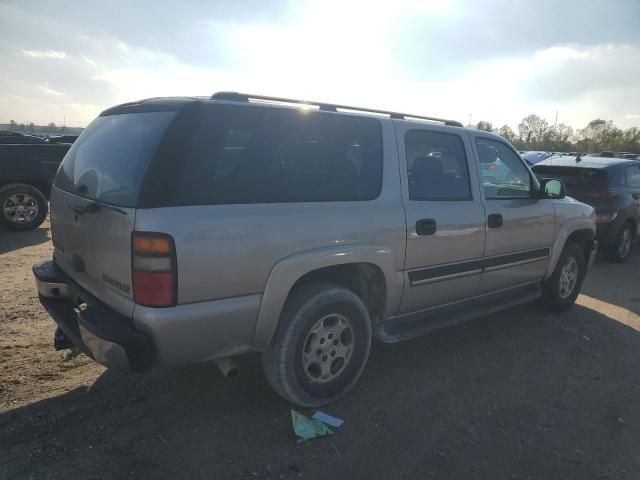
point(154, 269)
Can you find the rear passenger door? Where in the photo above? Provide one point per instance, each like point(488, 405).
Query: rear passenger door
point(520, 228)
point(445, 218)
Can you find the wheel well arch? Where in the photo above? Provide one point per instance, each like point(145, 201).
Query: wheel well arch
point(41, 185)
point(369, 270)
point(364, 279)
point(584, 238)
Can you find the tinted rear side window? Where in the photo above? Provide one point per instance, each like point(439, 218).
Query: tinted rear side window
point(110, 158)
point(574, 177)
point(265, 155)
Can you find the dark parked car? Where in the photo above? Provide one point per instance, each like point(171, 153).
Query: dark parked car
point(63, 139)
point(15, 138)
point(612, 187)
point(26, 175)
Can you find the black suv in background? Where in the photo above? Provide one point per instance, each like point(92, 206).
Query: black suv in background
point(612, 187)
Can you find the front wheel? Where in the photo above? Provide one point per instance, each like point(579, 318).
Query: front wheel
point(22, 206)
point(321, 346)
point(559, 292)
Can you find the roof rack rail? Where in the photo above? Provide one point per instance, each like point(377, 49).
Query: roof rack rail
point(327, 107)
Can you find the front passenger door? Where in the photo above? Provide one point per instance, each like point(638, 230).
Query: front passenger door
point(520, 228)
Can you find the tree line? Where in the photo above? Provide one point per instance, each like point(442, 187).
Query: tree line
point(49, 129)
point(535, 133)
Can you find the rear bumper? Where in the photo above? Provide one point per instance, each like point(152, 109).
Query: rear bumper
point(96, 329)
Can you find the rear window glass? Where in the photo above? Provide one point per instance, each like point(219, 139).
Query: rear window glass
point(109, 160)
point(574, 177)
point(267, 155)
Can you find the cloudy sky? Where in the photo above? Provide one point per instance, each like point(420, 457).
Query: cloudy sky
point(497, 60)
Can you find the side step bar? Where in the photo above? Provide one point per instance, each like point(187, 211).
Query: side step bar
point(411, 325)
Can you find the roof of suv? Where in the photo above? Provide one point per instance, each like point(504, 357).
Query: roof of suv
point(156, 104)
point(175, 103)
point(585, 162)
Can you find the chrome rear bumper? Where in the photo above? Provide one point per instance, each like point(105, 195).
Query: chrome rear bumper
point(97, 330)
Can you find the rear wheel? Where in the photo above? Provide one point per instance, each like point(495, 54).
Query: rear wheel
point(321, 346)
point(22, 206)
point(559, 292)
point(619, 251)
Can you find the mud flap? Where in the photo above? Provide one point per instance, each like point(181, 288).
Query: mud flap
point(61, 341)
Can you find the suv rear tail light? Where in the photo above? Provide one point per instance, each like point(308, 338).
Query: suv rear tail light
point(154, 269)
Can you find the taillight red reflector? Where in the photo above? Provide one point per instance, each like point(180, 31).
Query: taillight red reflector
point(153, 289)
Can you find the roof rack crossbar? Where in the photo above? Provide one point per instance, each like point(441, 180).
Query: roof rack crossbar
point(328, 107)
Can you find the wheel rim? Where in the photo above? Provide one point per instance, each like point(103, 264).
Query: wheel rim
point(20, 208)
point(328, 348)
point(625, 243)
point(568, 277)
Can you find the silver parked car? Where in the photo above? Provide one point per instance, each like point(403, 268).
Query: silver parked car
point(188, 230)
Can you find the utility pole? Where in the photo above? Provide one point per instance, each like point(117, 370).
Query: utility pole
point(556, 124)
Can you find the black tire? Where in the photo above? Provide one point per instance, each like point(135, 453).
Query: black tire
point(19, 190)
point(556, 296)
point(283, 361)
point(616, 252)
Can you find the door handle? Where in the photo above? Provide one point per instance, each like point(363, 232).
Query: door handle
point(426, 226)
point(495, 220)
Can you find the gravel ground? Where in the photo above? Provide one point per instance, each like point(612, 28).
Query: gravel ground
point(517, 395)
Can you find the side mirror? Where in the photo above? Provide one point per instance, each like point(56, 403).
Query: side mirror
point(552, 188)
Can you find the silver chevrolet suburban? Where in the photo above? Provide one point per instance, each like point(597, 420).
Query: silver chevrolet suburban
point(195, 229)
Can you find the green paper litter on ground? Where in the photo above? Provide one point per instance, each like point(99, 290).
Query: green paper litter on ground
point(307, 428)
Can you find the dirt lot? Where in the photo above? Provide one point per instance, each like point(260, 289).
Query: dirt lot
point(519, 395)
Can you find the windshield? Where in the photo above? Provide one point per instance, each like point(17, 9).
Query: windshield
point(108, 161)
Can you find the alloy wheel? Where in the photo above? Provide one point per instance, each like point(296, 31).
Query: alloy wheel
point(328, 348)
